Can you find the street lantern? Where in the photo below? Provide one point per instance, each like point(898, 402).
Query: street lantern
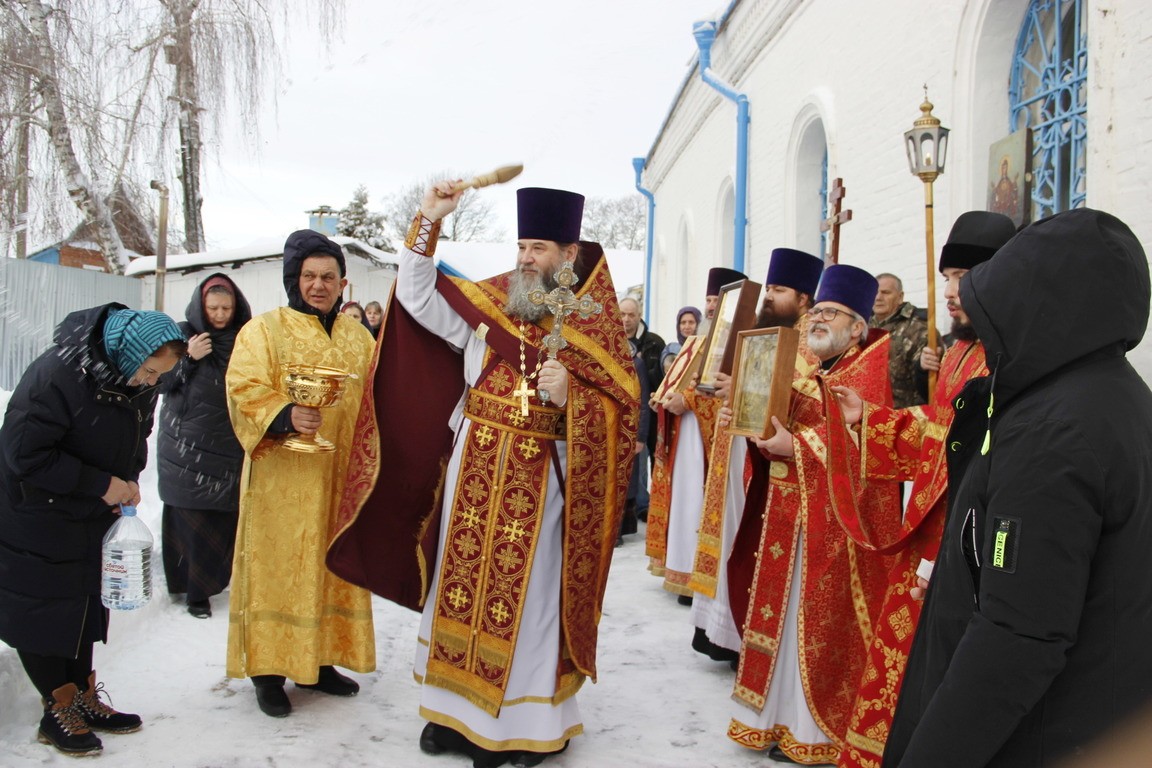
point(927, 147)
point(926, 144)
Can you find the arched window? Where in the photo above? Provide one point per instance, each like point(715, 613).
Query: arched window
point(1049, 96)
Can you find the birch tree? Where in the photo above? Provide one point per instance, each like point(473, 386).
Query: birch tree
point(122, 88)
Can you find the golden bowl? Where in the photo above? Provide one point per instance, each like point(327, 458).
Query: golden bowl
point(315, 386)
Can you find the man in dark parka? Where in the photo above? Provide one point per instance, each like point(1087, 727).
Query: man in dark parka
point(1034, 640)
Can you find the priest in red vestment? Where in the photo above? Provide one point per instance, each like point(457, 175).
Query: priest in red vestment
point(908, 444)
point(789, 288)
point(687, 421)
point(812, 596)
point(490, 480)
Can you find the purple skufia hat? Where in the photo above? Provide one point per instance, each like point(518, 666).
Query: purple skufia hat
point(549, 214)
point(718, 277)
point(794, 269)
point(850, 286)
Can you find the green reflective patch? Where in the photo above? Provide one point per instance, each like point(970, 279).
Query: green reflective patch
point(1005, 543)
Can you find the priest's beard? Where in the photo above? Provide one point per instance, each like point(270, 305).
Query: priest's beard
point(770, 318)
point(962, 331)
point(518, 287)
point(832, 343)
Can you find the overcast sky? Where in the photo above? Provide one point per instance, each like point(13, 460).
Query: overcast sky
point(573, 91)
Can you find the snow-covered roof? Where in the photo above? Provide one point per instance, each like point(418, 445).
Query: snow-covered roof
point(263, 248)
point(474, 261)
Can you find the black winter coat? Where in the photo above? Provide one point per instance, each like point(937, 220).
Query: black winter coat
point(197, 454)
point(1036, 633)
point(71, 425)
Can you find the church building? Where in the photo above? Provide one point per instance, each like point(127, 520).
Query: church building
point(1046, 106)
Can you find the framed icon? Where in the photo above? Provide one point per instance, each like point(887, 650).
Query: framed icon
point(762, 374)
point(683, 367)
point(1010, 176)
point(735, 312)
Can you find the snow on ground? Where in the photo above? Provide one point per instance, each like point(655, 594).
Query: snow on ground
point(658, 703)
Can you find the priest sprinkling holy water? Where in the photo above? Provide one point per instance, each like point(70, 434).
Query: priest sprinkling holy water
point(496, 444)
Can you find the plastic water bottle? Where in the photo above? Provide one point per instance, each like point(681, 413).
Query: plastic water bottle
point(126, 571)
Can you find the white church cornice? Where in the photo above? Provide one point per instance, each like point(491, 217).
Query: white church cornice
point(746, 30)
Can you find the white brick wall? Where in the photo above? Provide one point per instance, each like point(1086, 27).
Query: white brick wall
point(858, 68)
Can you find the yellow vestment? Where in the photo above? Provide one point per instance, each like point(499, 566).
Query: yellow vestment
point(288, 614)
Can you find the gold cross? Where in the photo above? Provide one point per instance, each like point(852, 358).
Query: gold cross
point(561, 302)
point(523, 391)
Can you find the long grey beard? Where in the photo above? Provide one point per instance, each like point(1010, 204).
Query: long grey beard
point(832, 344)
point(518, 303)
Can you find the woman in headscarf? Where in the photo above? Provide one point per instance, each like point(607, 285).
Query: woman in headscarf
point(687, 322)
point(374, 314)
point(198, 456)
point(74, 441)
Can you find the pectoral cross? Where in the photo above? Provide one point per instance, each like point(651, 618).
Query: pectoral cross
point(833, 222)
point(523, 391)
point(561, 302)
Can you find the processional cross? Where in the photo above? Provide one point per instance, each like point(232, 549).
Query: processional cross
point(561, 302)
point(833, 222)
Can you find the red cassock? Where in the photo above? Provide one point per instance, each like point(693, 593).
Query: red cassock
point(909, 445)
point(789, 506)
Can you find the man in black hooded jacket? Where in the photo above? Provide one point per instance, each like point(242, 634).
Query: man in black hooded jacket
point(1034, 639)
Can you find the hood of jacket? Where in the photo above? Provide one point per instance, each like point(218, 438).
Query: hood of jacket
point(1063, 288)
point(80, 338)
point(300, 245)
point(194, 314)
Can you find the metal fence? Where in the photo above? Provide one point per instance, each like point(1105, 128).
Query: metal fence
point(35, 297)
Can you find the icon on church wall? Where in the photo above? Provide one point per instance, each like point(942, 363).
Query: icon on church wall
point(1010, 177)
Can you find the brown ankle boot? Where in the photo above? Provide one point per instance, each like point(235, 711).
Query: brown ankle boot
point(63, 724)
point(101, 717)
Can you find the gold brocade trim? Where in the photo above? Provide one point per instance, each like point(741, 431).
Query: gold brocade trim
point(542, 422)
point(747, 736)
point(874, 746)
point(486, 563)
point(762, 642)
point(859, 601)
point(747, 697)
point(936, 431)
point(676, 583)
point(423, 235)
point(530, 745)
point(304, 622)
point(486, 298)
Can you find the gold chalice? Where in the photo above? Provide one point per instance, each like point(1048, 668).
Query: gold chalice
point(314, 386)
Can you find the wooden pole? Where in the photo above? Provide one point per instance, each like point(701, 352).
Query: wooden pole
point(930, 249)
point(162, 246)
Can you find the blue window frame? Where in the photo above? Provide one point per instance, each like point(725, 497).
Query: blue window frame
point(1048, 94)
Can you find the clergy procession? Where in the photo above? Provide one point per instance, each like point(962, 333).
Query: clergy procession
point(475, 468)
point(880, 546)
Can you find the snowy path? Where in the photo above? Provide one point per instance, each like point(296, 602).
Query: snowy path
point(658, 704)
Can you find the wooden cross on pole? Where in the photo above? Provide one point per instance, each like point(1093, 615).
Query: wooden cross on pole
point(833, 222)
point(561, 302)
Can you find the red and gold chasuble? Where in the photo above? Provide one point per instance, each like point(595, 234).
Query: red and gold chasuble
point(842, 586)
point(906, 444)
point(706, 568)
point(389, 522)
point(705, 409)
point(491, 539)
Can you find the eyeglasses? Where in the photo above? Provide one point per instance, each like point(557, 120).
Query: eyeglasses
point(826, 314)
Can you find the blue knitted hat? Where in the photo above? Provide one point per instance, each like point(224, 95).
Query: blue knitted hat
point(131, 336)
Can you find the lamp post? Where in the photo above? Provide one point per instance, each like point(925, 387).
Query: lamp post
point(927, 146)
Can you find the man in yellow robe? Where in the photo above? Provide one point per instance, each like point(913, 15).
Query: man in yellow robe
point(289, 617)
